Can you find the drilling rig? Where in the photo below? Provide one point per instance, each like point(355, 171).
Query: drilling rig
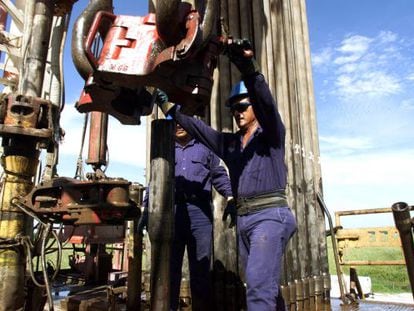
point(123, 59)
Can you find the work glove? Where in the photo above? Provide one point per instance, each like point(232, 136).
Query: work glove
point(240, 53)
point(161, 99)
point(143, 221)
point(230, 210)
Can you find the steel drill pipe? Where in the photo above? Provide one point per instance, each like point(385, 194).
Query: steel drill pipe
point(35, 62)
point(402, 219)
point(161, 211)
point(98, 134)
point(134, 254)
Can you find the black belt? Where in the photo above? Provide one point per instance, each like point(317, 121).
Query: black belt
point(189, 198)
point(256, 203)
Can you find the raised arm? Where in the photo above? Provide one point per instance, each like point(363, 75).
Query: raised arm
point(240, 53)
point(265, 107)
point(209, 137)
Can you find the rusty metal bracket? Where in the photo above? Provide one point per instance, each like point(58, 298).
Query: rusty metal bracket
point(71, 201)
point(28, 116)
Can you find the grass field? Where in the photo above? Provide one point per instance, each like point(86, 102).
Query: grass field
point(385, 279)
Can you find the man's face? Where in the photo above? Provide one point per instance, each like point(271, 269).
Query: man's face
point(243, 113)
point(180, 133)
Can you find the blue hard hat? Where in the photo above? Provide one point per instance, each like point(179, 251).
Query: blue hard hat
point(238, 91)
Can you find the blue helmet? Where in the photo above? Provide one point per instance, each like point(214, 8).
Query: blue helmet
point(238, 91)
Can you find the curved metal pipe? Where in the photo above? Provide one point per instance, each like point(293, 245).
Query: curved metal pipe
point(209, 21)
point(80, 32)
point(345, 297)
point(168, 21)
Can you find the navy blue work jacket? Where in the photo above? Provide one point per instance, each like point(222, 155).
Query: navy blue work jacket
point(259, 167)
point(197, 169)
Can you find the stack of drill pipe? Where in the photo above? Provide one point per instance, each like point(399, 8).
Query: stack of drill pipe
point(279, 33)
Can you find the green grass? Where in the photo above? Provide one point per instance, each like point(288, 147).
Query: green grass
point(384, 279)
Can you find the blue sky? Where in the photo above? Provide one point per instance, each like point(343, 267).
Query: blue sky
point(363, 71)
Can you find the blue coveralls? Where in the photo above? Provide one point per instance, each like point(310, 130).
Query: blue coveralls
point(197, 169)
point(256, 169)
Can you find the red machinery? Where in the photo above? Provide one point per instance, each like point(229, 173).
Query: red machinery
point(134, 58)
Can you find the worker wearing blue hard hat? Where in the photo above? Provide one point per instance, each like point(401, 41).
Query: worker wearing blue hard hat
point(254, 156)
point(239, 90)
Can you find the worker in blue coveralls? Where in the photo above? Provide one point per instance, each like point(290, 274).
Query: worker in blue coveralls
point(255, 158)
point(197, 169)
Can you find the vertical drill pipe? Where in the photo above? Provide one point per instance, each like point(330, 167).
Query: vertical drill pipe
point(53, 88)
point(312, 296)
point(161, 211)
point(305, 128)
point(228, 292)
point(401, 212)
point(98, 134)
point(282, 92)
point(35, 62)
point(353, 276)
point(18, 180)
point(134, 254)
point(3, 20)
point(134, 268)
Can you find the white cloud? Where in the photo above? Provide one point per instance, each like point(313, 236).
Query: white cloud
point(348, 68)
point(355, 44)
point(341, 60)
point(387, 37)
point(368, 83)
point(340, 145)
point(408, 104)
point(368, 180)
point(72, 122)
point(365, 66)
point(324, 57)
point(370, 168)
